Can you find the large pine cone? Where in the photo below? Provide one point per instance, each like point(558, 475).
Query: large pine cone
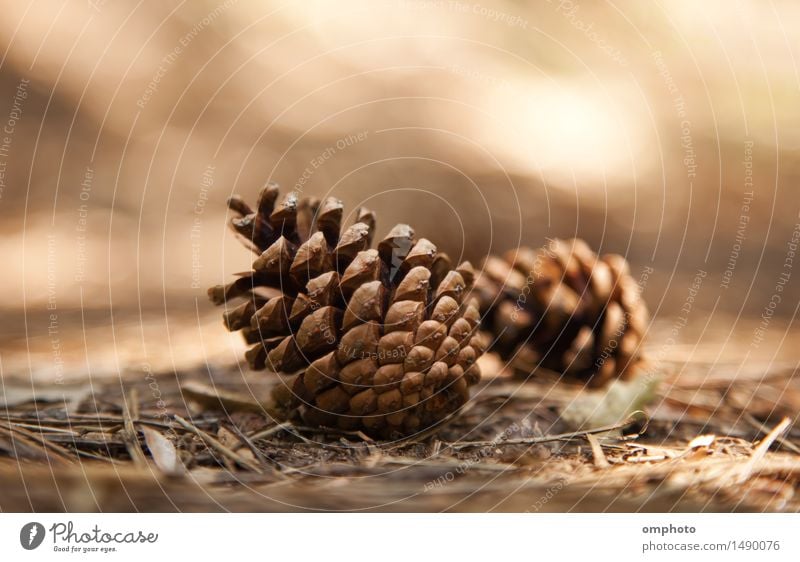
point(380, 340)
point(563, 308)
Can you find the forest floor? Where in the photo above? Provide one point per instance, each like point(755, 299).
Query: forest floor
point(713, 435)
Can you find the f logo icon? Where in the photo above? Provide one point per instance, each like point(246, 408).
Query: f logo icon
point(31, 535)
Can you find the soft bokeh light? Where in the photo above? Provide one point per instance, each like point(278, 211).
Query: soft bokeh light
point(500, 124)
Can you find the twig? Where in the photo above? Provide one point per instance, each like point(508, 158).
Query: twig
point(73, 418)
point(600, 460)
point(332, 431)
point(770, 438)
point(549, 438)
point(217, 446)
point(454, 463)
point(765, 430)
point(297, 430)
point(270, 431)
point(44, 428)
point(255, 450)
point(89, 455)
point(130, 435)
point(761, 450)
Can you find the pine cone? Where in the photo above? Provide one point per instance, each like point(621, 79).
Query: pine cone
point(380, 340)
point(563, 308)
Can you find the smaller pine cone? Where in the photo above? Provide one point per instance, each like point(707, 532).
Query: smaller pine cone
point(563, 308)
point(379, 340)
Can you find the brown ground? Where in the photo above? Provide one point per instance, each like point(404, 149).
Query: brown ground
point(112, 446)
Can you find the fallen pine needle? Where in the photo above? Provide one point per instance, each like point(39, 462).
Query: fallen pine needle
point(764, 429)
point(761, 450)
point(600, 460)
point(217, 446)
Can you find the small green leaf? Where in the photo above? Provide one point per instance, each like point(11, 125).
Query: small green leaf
point(609, 405)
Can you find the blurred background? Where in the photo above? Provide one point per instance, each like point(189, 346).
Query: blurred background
point(666, 132)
